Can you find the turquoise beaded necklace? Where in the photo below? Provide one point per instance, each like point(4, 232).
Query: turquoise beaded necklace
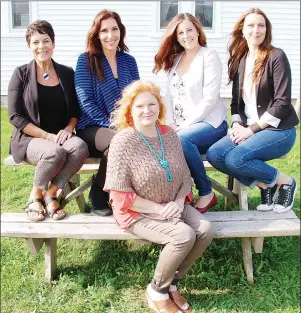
point(162, 160)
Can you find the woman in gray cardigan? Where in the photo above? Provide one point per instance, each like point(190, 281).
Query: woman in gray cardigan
point(194, 106)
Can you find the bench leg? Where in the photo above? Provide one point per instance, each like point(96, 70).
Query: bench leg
point(230, 181)
point(50, 258)
point(247, 258)
point(257, 244)
point(242, 195)
point(35, 244)
point(63, 194)
point(80, 199)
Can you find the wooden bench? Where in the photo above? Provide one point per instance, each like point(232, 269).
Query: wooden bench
point(251, 226)
point(74, 189)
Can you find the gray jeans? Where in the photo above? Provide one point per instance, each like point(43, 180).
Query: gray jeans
point(184, 243)
point(55, 163)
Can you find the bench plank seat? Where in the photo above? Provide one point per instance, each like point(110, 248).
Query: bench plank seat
point(228, 224)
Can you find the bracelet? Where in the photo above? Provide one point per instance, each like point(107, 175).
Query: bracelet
point(255, 128)
point(240, 123)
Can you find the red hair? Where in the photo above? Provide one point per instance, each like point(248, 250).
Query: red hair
point(170, 46)
point(238, 47)
point(94, 48)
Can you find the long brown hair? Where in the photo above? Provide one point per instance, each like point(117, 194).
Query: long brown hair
point(238, 47)
point(170, 46)
point(94, 48)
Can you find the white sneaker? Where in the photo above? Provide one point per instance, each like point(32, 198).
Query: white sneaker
point(267, 196)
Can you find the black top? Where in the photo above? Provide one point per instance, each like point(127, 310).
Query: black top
point(23, 102)
point(52, 108)
point(273, 93)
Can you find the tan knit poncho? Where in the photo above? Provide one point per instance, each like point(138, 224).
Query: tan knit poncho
point(132, 167)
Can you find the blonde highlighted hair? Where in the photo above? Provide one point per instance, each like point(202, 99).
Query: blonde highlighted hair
point(122, 116)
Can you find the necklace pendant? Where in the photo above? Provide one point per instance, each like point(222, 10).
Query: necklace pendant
point(46, 76)
point(164, 164)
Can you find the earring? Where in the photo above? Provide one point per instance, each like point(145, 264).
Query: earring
point(243, 36)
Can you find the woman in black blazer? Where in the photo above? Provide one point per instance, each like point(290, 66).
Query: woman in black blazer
point(44, 111)
point(263, 118)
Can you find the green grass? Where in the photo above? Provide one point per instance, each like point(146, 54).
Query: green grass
point(111, 276)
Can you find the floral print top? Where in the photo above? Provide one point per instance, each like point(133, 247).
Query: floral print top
point(179, 98)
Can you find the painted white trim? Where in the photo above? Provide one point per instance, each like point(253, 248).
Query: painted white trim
point(6, 19)
point(188, 6)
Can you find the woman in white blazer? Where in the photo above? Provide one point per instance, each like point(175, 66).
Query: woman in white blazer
point(193, 103)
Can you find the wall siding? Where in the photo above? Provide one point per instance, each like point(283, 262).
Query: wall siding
point(71, 21)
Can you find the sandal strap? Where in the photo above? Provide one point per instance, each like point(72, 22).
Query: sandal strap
point(35, 200)
point(35, 210)
point(50, 199)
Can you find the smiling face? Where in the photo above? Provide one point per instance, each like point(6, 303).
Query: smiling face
point(254, 29)
point(145, 110)
point(109, 34)
point(187, 35)
point(41, 47)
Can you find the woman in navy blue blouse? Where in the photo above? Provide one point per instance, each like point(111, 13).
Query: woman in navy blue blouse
point(101, 74)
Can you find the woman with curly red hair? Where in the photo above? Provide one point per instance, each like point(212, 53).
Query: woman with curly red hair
point(149, 183)
point(263, 118)
point(194, 106)
point(101, 74)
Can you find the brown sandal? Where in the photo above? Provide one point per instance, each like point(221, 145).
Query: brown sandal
point(41, 213)
point(163, 306)
point(54, 213)
point(180, 301)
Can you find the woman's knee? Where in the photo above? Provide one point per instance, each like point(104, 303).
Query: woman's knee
point(214, 155)
point(55, 154)
point(236, 159)
point(185, 236)
point(206, 230)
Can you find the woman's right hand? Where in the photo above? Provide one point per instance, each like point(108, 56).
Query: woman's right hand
point(172, 209)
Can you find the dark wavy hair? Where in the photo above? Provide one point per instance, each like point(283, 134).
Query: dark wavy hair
point(238, 47)
point(170, 46)
point(41, 27)
point(94, 48)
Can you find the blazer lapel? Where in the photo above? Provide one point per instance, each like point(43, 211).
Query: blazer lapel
point(32, 78)
point(241, 74)
point(61, 75)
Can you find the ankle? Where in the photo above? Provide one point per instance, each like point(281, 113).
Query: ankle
point(155, 295)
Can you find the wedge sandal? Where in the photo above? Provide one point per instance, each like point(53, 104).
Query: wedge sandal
point(180, 301)
point(163, 306)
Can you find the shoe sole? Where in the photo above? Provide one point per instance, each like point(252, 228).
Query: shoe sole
point(270, 208)
point(104, 212)
point(289, 207)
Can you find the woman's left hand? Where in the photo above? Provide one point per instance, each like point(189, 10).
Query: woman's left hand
point(239, 133)
point(63, 135)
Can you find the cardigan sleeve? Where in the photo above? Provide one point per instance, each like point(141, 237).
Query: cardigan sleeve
point(118, 176)
point(282, 81)
point(212, 73)
point(74, 107)
point(83, 80)
point(15, 101)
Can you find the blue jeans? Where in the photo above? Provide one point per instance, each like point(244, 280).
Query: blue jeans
point(196, 140)
point(246, 161)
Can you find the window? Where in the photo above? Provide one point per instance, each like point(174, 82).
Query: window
point(168, 10)
point(20, 14)
point(208, 12)
point(204, 12)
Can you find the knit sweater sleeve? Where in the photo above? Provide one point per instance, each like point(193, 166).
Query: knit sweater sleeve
point(186, 185)
point(118, 175)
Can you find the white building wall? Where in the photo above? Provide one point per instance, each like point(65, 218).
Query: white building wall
point(71, 21)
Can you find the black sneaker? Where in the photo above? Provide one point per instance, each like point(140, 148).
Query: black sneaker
point(284, 199)
point(267, 196)
point(99, 200)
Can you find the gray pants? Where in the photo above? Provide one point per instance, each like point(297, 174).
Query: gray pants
point(184, 243)
point(55, 163)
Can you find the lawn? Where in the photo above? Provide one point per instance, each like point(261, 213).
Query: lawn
point(110, 276)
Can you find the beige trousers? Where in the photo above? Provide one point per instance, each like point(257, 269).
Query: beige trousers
point(184, 243)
